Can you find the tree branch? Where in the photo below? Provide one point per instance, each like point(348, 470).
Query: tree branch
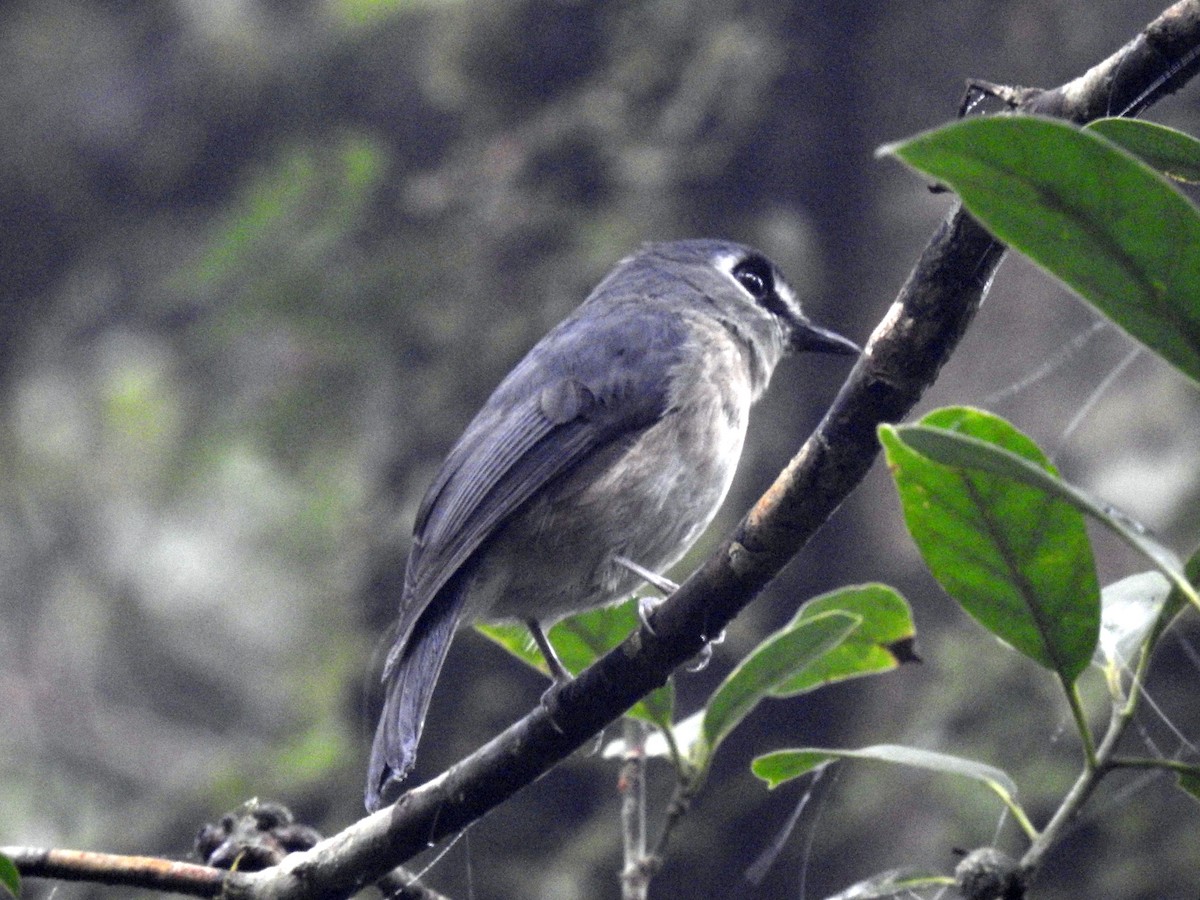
point(110, 868)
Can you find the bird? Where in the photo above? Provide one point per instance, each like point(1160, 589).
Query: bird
point(605, 453)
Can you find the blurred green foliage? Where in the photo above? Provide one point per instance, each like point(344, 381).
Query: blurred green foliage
point(260, 263)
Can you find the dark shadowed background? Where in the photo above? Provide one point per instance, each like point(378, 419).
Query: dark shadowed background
point(261, 260)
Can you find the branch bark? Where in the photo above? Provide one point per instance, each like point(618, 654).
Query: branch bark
point(901, 360)
point(109, 868)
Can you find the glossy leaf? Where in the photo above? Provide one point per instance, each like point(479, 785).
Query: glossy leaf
point(1015, 557)
point(1175, 154)
point(965, 451)
point(785, 765)
point(782, 656)
point(1099, 219)
point(883, 640)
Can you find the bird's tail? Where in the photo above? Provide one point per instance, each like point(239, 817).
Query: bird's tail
point(411, 680)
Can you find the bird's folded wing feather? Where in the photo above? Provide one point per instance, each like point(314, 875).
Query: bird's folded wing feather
point(573, 393)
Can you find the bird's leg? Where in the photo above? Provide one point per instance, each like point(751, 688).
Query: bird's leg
point(647, 605)
point(664, 585)
point(557, 671)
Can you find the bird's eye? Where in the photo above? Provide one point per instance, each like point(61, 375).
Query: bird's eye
point(757, 276)
point(754, 274)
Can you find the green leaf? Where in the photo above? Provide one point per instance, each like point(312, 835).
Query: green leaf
point(1015, 557)
point(784, 765)
point(657, 707)
point(579, 641)
point(1175, 154)
point(882, 641)
point(10, 878)
point(516, 640)
point(780, 657)
point(1092, 215)
point(964, 451)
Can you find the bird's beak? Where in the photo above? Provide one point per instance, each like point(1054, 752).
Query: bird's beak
point(808, 338)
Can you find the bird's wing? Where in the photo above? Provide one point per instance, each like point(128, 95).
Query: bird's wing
point(577, 390)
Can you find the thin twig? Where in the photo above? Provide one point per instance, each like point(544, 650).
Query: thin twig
point(637, 871)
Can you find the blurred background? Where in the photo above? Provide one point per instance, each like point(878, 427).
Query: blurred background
point(261, 260)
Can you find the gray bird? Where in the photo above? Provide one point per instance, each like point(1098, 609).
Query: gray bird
point(607, 449)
